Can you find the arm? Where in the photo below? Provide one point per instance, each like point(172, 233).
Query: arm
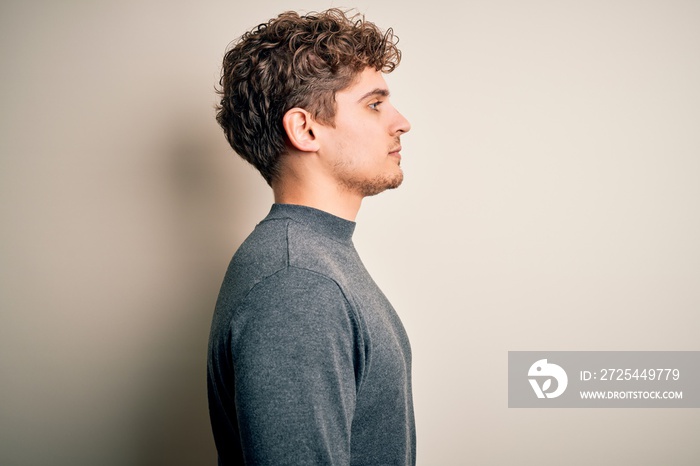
point(294, 352)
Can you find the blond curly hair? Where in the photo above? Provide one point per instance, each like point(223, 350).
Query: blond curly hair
point(294, 61)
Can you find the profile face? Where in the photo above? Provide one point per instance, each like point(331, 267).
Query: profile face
point(362, 152)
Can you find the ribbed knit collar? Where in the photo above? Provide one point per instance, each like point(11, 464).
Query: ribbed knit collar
point(336, 228)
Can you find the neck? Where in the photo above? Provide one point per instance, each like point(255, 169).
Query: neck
point(321, 196)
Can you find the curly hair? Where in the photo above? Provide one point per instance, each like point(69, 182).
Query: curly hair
point(294, 61)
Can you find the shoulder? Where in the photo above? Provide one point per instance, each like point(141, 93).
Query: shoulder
point(267, 242)
point(296, 291)
point(295, 307)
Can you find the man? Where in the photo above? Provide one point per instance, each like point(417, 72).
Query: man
point(308, 361)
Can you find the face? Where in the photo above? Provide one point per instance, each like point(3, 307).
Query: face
point(362, 150)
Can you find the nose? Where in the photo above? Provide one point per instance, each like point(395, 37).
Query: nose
point(401, 124)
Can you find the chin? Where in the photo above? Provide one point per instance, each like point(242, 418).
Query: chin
point(381, 184)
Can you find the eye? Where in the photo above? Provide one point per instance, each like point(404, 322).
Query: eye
point(375, 105)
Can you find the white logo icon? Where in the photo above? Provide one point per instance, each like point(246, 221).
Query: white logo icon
point(543, 369)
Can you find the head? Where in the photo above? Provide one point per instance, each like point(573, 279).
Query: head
point(294, 61)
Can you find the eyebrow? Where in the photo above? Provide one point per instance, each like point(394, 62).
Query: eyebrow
point(375, 92)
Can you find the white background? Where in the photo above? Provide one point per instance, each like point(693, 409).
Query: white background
point(551, 202)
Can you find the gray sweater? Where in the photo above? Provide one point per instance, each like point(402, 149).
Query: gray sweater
point(308, 361)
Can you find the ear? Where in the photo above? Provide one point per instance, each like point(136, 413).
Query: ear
point(298, 124)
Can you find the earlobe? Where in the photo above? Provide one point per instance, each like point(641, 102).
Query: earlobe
point(298, 124)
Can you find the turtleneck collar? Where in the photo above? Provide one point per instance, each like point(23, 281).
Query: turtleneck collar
point(329, 225)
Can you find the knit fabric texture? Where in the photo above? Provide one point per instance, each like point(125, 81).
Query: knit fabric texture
point(309, 363)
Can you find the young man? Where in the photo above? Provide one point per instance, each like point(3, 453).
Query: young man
point(308, 361)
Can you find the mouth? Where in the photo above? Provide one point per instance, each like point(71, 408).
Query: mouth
point(396, 152)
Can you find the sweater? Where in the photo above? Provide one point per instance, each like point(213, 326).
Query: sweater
point(308, 361)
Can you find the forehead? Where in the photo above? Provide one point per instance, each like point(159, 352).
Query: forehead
point(367, 83)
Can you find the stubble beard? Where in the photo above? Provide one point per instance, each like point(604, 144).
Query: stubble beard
point(372, 186)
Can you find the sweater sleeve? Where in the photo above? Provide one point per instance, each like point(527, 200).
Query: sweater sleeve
point(294, 348)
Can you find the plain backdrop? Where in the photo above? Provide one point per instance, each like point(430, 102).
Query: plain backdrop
point(551, 202)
